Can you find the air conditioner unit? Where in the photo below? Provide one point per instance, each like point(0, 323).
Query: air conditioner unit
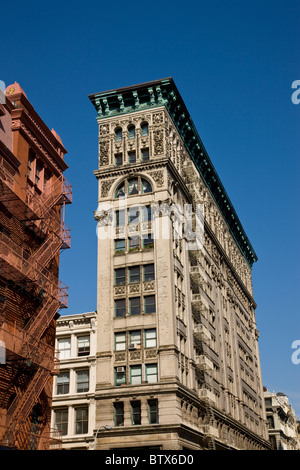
point(133, 346)
point(120, 369)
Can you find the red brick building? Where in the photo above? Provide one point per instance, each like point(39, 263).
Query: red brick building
point(33, 193)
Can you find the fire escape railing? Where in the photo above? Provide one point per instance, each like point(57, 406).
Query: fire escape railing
point(20, 266)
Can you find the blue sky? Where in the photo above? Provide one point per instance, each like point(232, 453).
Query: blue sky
point(234, 63)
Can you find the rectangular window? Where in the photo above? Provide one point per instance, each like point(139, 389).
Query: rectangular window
point(63, 383)
point(134, 243)
point(38, 170)
point(83, 344)
point(146, 213)
point(30, 165)
point(133, 215)
point(61, 421)
point(134, 274)
point(135, 306)
point(82, 381)
point(150, 338)
point(120, 277)
point(131, 157)
point(120, 245)
point(120, 308)
point(149, 304)
point(145, 155)
point(135, 337)
point(118, 159)
point(119, 413)
point(135, 375)
point(47, 178)
point(133, 186)
point(136, 412)
point(153, 411)
point(120, 218)
point(148, 241)
point(120, 341)
point(148, 272)
point(81, 420)
point(120, 375)
point(64, 347)
point(151, 373)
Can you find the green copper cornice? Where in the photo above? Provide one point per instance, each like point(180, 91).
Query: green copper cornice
point(165, 93)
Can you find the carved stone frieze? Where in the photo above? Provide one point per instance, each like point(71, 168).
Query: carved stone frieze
point(105, 187)
point(103, 152)
point(158, 142)
point(158, 177)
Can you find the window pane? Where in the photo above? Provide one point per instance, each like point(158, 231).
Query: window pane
point(135, 306)
point(134, 274)
point(61, 421)
point(145, 155)
point(120, 276)
point(131, 157)
point(119, 413)
point(120, 192)
point(120, 245)
point(83, 345)
point(151, 372)
point(82, 381)
point(120, 218)
point(136, 412)
point(150, 338)
point(118, 134)
point(120, 341)
point(149, 304)
point(118, 159)
point(133, 186)
point(133, 215)
point(64, 346)
point(63, 382)
point(146, 187)
point(120, 375)
point(135, 337)
point(81, 420)
point(120, 308)
point(149, 272)
point(131, 132)
point(144, 129)
point(153, 411)
point(134, 243)
point(148, 241)
point(135, 375)
point(146, 213)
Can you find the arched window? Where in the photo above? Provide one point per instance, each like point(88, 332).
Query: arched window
point(144, 128)
point(118, 134)
point(132, 186)
point(131, 132)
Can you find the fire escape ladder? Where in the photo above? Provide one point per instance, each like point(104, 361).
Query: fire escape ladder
point(60, 192)
point(40, 322)
point(48, 249)
point(22, 405)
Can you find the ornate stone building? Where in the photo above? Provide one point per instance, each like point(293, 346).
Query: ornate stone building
point(177, 350)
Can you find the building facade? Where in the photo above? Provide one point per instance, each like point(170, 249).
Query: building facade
point(73, 402)
point(283, 425)
point(177, 345)
point(33, 193)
